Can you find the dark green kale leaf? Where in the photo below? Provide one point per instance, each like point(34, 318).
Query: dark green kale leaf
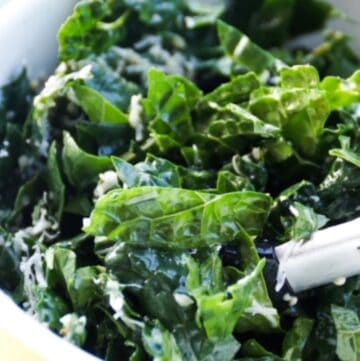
point(323, 342)
point(56, 184)
point(243, 51)
point(10, 274)
point(236, 91)
point(272, 23)
point(168, 109)
point(81, 168)
point(155, 171)
point(180, 218)
point(230, 182)
point(152, 172)
point(156, 282)
point(15, 103)
point(221, 307)
point(292, 347)
point(338, 192)
point(347, 325)
point(92, 87)
point(93, 27)
point(235, 127)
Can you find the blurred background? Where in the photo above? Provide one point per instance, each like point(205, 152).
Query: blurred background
point(349, 7)
point(19, 43)
point(352, 9)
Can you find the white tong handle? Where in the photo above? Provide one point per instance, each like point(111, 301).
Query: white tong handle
point(331, 255)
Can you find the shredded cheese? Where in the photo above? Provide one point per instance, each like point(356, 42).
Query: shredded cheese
point(182, 299)
point(107, 181)
point(292, 300)
point(72, 325)
point(269, 313)
point(117, 303)
point(135, 116)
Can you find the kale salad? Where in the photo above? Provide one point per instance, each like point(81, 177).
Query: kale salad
point(173, 139)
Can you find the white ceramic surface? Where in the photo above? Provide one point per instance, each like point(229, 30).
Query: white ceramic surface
point(2, 2)
point(28, 35)
point(35, 337)
point(352, 9)
point(28, 38)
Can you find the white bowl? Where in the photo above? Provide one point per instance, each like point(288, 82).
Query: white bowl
point(28, 35)
point(24, 339)
point(28, 39)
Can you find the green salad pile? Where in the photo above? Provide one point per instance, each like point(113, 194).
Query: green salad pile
point(138, 182)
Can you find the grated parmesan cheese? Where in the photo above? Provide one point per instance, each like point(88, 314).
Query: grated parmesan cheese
point(340, 281)
point(269, 313)
point(34, 277)
point(41, 225)
point(135, 118)
point(19, 243)
point(32, 258)
point(107, 181)
point(117, 303)
point(4, 153)
point(73, 325)
point(182, 299)
point(292, 300)
point(86, 222)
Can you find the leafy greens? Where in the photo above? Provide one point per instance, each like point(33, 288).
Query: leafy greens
point(168, 145)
